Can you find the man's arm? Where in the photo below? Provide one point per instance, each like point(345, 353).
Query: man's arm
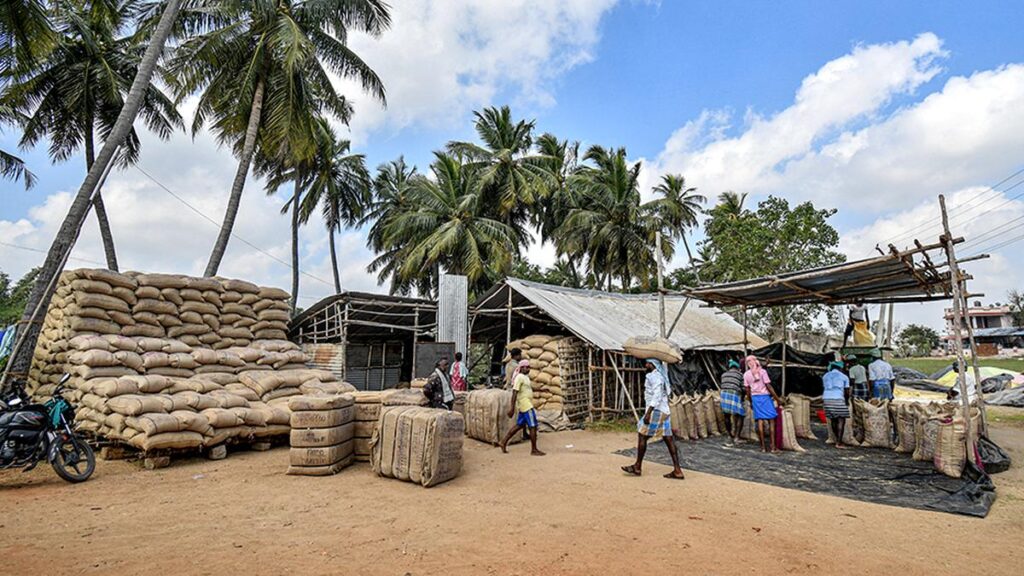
point(512, 405)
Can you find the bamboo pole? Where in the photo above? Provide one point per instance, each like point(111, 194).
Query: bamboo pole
point(679, 315)
point(958, 317)
point(622, 382)
point(746, 339)
point(784, 346)
point(974, 361)
point(508, 321)
point(661, 284)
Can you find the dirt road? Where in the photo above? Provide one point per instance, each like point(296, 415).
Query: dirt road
point(571, 512)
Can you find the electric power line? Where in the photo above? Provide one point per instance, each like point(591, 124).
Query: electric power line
point(86, 260)
point(233, 234)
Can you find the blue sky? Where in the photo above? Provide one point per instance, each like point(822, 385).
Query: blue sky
point(900, 101)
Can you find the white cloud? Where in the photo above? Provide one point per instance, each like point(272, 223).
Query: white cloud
point(440, 60)
point(859, 137)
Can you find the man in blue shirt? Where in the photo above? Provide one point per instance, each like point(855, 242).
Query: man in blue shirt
point(836, 397)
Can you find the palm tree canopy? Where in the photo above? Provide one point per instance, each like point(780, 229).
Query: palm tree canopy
point(80, 87)
point(731, 203)
point(288, 47)
point(26, 34)
point(390, 198)
point(678, 206)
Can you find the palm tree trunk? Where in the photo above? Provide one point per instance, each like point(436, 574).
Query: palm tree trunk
point(98, 207)
point(295, 248)
point(334, 260)
point(248, 147)
point(42, 290)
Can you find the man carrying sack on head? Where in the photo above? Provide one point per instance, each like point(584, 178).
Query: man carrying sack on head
point(656, 422)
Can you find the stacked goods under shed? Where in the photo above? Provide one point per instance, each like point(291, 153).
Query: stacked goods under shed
point(322, 429)
point(165, 361)
point(545, 370)
point(419, 445)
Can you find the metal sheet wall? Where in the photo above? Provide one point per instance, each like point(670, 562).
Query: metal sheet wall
point(453, 311)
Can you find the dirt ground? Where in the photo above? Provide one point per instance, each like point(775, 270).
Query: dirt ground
point(570, 512)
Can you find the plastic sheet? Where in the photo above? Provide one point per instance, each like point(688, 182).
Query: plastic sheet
point(993, 458)
point(865, 474)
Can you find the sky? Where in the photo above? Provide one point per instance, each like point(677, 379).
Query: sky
point(872, 108)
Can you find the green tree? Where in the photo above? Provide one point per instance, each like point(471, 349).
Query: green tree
point(1016, 304)
point(770, 240)
point(609, 224)
point(917, 340)
point(77, 91)
point(14, 298)
point(730, 204)
point(511, 175)
point(447, 226)
point(678, 208)
point(391, 198)
point(262, 70)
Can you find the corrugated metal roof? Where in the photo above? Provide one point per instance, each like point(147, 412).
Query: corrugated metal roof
point(607, 319)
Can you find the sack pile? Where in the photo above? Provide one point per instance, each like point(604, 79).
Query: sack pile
point(696, 416)
point(322, 429)
point(487, 416)
point(800, 406)
point(875, 422)
point(418, 445)
point(545, 370)
point(163, 361)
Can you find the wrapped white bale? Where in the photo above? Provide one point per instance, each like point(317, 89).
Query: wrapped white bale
point(419, 445)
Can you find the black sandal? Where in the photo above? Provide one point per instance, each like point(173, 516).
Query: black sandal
point(631, 470)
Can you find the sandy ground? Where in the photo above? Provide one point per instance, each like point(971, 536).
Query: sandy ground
point(571, 512)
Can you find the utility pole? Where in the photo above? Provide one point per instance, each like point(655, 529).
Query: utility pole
point(661, 283)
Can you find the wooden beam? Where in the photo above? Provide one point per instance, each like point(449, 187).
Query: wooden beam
point(622, 382)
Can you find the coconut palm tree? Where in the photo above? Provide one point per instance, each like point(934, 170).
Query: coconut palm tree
point(392, 190)
point(78, 90)
point(264, 73)
point(511, 175)
point(731, 203)
point(448, 225)
point(165, 15)
point(610, 226)
point(677, 208)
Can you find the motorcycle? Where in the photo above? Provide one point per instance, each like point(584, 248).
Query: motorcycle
point(31, 433)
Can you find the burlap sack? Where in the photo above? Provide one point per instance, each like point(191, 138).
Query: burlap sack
point(906, 426)
point(94, 358)
point(322, 418)
point(801, 408)
point(111, 387)
point(320, 456)
point(103, 301)
point(644, 347)
point(222, 418)
point(316, 387)
point(89, 342)
point(299, 403)
point(154, 423)
point(154, 306)
point(877, 427)
point(407, 397)
point(700, 416)
point(708, 403)
point(949, 457)
point(110, 277)
point(328, 470)
point(316, 437)
point(196, 401)
point(487, 415)
point(170, 440)
point(192, 422)
point(789, 441)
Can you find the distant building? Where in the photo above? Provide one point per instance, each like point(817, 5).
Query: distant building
point(993, 328)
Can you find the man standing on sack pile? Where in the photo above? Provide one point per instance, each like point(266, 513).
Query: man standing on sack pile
point(438, 388)
point(656, 422)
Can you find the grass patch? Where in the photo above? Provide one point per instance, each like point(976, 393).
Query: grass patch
point(620, 425)
point(932, 365)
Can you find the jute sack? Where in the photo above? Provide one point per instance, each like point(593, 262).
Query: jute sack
point(328, 470)
point(801, 407)
point(154, 423)
point(700, 416)
point(690, 419)
point(301, 403)
point(644, 347)
point(676, 417)
point(716, 402)
point(317, 437)
point(421, 445)
point(849, 438)
point(322, 418)
point(442, 450)
point(877, 427)
point(487, 415)
point(320, 456)
point(926, 432)
point(749, 432)
point(906, 426)
point(708, 404)
point(409, 397)
point(383, 443)
point(949, 455)
point(789, 441)
point(167, 440)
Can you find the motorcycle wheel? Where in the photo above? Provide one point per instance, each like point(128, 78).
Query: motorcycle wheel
point(73, 459)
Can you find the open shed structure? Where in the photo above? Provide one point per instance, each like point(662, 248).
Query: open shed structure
point(368, 340)
point(598, 377)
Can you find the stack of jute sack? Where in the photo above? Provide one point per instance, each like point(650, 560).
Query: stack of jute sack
point(800, 407)
point(545, 370)
point(368, 405)
point(162, 361)
point(486, 413)
point(419, 445)
point(322, 432)
point(696, 416)
point(785, 436)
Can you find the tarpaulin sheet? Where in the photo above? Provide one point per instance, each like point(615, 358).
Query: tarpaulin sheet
point(866, 474)
point(798, 380)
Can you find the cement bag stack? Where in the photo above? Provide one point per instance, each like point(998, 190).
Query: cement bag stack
point(321, 434)
point(418, 445)
point(163, 361)
point(487, 416)
point(545, 371)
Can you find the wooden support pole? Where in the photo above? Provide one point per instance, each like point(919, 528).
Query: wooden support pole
point(888, 326)
point(415, 341)
point(344, 344)
point(661, 284)
point(974, 359)
point(679, 315)
point(746, 340)
point(958, 316)
point(508, 321)
point(622, 382)
point(784, 346)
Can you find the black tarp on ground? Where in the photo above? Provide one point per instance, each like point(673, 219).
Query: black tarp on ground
point(798, 380)
point(866, 474)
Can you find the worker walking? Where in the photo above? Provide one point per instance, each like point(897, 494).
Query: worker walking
point(881, 377)
point(732, 399)
point(656, 422)
point(522, 403)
